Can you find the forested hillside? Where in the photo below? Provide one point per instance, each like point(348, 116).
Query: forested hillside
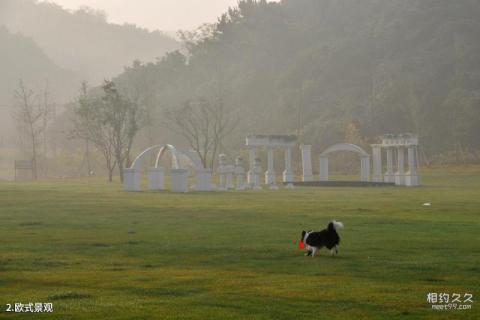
point(83, 41)
point(332, 70)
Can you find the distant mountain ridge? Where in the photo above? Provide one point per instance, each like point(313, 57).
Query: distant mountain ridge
point(21, 58)
point(83, 41)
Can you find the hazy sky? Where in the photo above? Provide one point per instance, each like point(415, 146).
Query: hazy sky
point(168, 15)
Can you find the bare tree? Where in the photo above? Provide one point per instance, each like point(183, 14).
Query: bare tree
point(204, 125)
point(32, 113)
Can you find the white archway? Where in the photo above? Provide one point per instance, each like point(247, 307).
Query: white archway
point(156, 174)
point(364, 160)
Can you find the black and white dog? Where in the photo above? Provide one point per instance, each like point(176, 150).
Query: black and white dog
point(328, 238)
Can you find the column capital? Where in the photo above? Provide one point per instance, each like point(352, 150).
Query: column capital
point(306, 146)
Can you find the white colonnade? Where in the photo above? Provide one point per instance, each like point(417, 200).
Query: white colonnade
point(397, 146)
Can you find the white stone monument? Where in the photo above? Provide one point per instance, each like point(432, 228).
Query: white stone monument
point(156, 174)
point(179, 180)
point(307, 163)
point(364, 160)
point(240, 174)
point(397, 145)
point(204, 180)
point(226, 173)
point(156, 178)
point(131, 180)
point(270, 142)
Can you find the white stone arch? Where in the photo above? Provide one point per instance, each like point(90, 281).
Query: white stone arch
point(137, 164)
point(364, 160)
point(156, 174)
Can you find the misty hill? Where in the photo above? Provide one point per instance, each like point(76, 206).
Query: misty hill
point(337, 70)
point(83, 41)
point(21, 58)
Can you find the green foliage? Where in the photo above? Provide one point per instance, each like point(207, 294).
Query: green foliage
point(110, 121)
point(302, 66)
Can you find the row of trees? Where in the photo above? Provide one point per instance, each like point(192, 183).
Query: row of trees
point(311, 67)
point(328, 71)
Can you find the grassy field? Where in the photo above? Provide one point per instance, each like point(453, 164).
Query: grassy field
point(96, 252)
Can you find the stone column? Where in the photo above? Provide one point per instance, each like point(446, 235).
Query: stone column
point(222, 171)
point(257, 171)
point(229, 171)
point(411, 177)
point(365, 168)
point(239, 174)
point(400, 174)
point(250, 173)
point(377, 163)
point(288, 173)
point(270, 173)
point(323, 168)
point(156, 178)
point(307, 162)
point(204, 180)
point(179, 180)
point(389, 176)
point(131, 180)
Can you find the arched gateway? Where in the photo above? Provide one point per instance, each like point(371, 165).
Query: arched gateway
point(364, 160)
point(156, 174)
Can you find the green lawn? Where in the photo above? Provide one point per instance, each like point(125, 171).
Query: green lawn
point(96, 252)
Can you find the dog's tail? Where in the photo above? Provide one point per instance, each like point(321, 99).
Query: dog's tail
point(337, 224)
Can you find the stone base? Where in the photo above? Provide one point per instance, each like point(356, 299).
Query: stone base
point(269, 178)
point(179, 180)
point(156, 179)
point(131, 180)
point(389, 178)
point(308, 178)
point(250, 178)
point(288, 176)
point(204, 180)
point(411, 180)
point(399, 179)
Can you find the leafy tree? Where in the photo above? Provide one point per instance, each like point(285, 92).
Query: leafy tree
point(110, 121)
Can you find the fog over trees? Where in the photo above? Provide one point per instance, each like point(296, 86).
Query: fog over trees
point(328, 71)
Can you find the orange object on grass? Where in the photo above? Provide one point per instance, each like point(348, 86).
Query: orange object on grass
point(301, 245)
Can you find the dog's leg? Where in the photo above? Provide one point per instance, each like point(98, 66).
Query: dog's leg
point(308, 253)
point(332, 252)
point(336, 249)
point(314, 250)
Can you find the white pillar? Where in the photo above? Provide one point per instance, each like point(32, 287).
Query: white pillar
point(222, 172)
point(400, 174)
point(239, 174)
point(307, 162)
point(204, 180)
point(377, 163)
point(365, 168)
point(270, 173)
point(131, 179)
point(389, 176)
point(411, 177)
point(257, 171)
point(288, 173)
point(250, 173)
point(156, 178)
point(323, 168)
point(229, 171)
point(179, 180)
